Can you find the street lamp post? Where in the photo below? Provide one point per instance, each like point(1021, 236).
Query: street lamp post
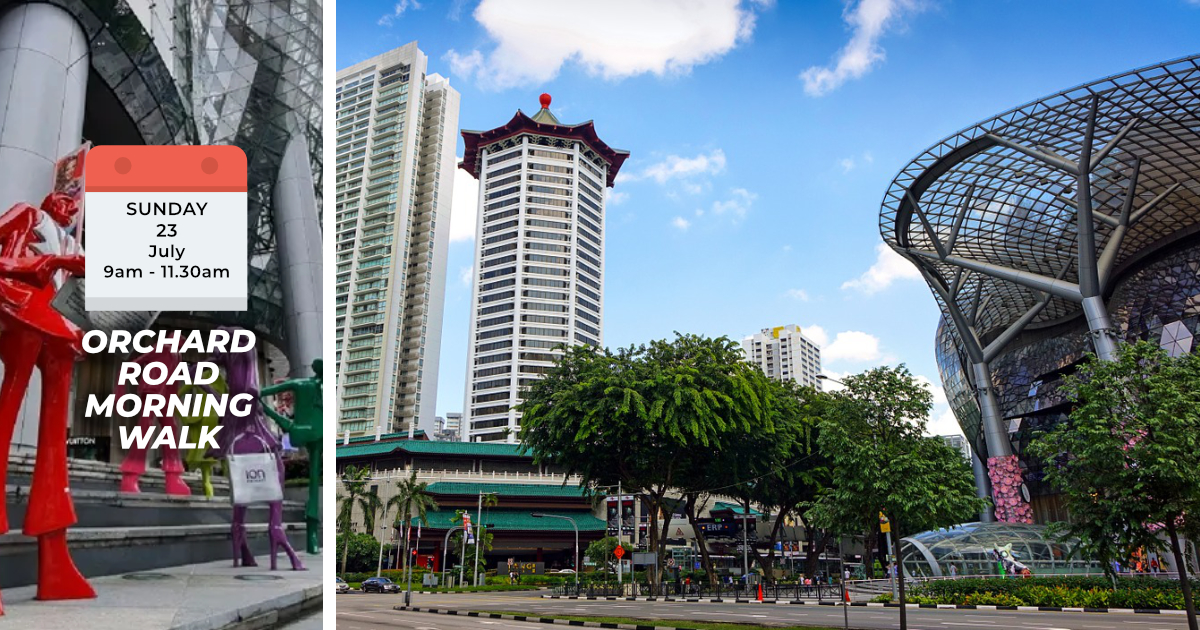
point(446, 548)
point(382, 536)
point(573, 526)
point(746, 549)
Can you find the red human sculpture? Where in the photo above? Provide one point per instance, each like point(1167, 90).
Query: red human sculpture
point(134, 465)
point(35, 334)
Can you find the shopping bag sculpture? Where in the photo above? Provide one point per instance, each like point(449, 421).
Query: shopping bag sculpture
point(249, 435)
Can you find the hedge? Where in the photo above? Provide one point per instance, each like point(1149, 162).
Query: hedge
point(395, 575)
point(1066, 591)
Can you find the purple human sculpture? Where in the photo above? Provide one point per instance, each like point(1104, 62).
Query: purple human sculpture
point(244, 436)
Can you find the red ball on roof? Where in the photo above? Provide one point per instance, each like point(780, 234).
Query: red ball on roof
point(545, 100)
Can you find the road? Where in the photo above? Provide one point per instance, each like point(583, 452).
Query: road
point(356, 612)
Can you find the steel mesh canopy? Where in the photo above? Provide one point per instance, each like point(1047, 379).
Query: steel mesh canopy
point(1002, 192)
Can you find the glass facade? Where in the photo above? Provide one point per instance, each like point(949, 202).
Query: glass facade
point(255, 70)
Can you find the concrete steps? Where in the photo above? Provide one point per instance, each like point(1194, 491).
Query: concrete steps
point(120, 533)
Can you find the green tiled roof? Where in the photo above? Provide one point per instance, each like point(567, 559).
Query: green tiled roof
point(370, 448)
point(432, 448)
point(722, 506)
point(386, 436)
point(519, 520)
point(505, 489)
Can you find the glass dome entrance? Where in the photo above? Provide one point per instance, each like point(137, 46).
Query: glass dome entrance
point(971, 548)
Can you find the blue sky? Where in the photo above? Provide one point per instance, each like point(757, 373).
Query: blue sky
point(763, 136)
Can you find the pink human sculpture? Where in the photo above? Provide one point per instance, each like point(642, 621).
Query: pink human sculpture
point(33, 250)
point(246, 435)
point(134, 465)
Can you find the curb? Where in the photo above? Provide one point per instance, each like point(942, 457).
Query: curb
point(355, 591)
point(809, 602)
point(536, 619)
point(266, 614)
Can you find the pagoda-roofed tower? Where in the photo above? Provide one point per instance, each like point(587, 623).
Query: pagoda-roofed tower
point(539, 272)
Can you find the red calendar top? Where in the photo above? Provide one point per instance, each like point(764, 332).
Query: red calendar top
point(166, 168)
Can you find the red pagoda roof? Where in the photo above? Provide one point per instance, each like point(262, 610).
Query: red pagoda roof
point(520, 123)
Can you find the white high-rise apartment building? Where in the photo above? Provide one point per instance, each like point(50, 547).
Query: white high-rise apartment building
point(394, 176)
point(539, 272)
point(784, 353)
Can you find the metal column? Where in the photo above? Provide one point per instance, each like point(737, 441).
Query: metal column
point(44, 63)
point(298, 234)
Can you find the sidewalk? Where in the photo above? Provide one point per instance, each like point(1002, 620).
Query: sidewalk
point(208, 596)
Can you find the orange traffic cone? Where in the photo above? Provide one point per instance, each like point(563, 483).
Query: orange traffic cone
point(846, 593)
point(760, 592)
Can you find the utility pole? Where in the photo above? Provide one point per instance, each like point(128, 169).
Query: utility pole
point(745, 549)
point(845, 592)
point(891, 562)
point(408, 595)
point(463, 557)
point(478, 537)
point(620, 528)
point(382, 536)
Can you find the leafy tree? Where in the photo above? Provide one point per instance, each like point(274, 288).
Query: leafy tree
point(361, 552)
point(881, 461)
point(787, 469)
point(358, 493)
point(601, 552)
point(411, 496)
point(639, 415)
point(1126, 461)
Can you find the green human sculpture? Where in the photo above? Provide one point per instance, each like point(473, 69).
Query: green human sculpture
point(305, 429)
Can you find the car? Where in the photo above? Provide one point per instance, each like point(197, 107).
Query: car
point(563, 572)
point(341, 586)
point(379, 585)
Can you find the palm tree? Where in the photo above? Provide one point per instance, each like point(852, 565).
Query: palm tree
point(358, 493)
point(411, 496)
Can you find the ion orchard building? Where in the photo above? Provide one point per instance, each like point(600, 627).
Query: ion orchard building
point(395, 141)
point(1050, 231)
point(539, 273)
point(246, 73)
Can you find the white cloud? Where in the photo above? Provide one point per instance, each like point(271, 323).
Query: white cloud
point(464, 206)
point(465, 275)
point(943, 422)
point(464, 65)
point(534, 39)
point(888, 268)
point(398, 11)
point(816, 334)
point(677, 167)
point(681, 223)
point(868, 21)
point(738, 204)
point(850, 163)
point(614, 198)
point(939, 394)
point(798, 294)
point(853, 346)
